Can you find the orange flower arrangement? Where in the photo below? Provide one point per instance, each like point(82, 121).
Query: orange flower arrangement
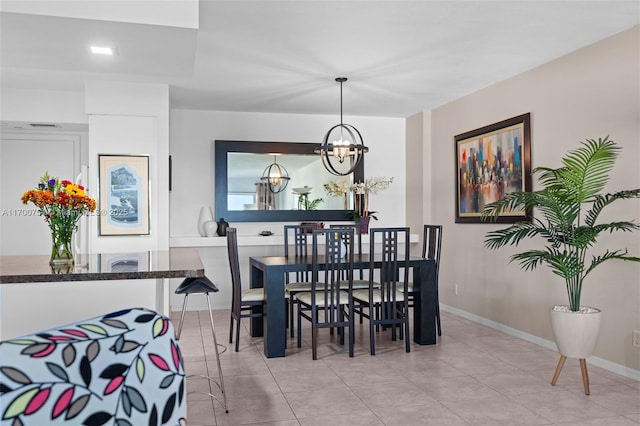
point(61, 203)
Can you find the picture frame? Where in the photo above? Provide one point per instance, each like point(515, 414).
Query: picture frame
point(492, 161)
point(124, 194)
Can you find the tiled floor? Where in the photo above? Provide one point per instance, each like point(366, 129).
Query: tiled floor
point(473, 376)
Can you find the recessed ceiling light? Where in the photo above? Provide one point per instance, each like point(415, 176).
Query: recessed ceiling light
point(103, 50)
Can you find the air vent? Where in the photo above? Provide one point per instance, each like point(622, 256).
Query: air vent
point(44, 125)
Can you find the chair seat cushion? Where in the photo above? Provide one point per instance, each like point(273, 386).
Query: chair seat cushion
point(253, 295)
point(363, 296)
point(298, 286)
point(305, 297)
point(360, 284)
point(409, 288)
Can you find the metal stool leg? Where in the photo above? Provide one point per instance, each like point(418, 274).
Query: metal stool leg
point(184, 307)
point(215, 345)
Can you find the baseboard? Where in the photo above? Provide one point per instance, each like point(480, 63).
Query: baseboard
point(598, 362)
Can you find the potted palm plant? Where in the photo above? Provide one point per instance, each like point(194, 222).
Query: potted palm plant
point(570, 203)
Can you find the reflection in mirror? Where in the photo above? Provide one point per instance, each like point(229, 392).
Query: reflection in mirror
point(246, 190)
point(242, 194)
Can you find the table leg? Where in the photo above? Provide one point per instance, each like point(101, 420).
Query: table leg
point(424, 310)
point(274, 327)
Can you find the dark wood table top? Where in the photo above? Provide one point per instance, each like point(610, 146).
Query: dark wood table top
point(173, 263)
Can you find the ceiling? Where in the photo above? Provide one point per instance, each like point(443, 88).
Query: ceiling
point(401, 57)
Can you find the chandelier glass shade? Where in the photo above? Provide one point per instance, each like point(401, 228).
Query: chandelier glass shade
point(276, 177)
point(342, 143)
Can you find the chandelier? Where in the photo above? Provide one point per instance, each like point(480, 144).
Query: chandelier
point(275, 176)
point(342, 143)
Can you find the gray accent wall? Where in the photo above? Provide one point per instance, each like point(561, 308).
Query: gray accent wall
point(590, 93)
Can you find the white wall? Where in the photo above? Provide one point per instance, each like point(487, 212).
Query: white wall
point(132, 119)
point(46, 106)
point(591, 93)
point(192, 145)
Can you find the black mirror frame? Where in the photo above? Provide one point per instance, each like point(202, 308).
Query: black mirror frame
point(224, 147)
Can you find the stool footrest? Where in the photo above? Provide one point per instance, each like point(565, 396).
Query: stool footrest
point(211, 379)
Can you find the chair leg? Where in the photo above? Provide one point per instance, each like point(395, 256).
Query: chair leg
point(314, 342)
point(299, 326)
point(215, 345)
point(585, 375)
point(291, 314)
point(407, 340)
point(184, 307)
point(231, 328)
point(351, 331)
point(558, 369)
point(438, 324)
point(372, 334)
point(238, 326)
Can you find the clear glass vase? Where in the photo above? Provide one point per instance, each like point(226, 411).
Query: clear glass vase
point(61, 254)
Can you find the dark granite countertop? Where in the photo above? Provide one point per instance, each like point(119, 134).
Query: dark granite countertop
point(174, 263)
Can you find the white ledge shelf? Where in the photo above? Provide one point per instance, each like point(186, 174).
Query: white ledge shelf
point(245, 240)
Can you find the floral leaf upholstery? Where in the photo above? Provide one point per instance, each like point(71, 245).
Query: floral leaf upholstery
point(124, 368)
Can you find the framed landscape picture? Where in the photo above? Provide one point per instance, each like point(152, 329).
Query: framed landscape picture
point(124, 194)
point(490, 162)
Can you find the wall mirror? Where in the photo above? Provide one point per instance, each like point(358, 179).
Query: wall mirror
point(242, 196)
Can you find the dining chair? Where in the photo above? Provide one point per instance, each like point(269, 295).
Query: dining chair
point(203, 285)
point(329, 303)
point(359, 280)
point(431, 249)
point(388, 307)
point(296, 237)
point(244, 304)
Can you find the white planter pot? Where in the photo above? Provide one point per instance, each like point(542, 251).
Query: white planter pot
point(576, 333)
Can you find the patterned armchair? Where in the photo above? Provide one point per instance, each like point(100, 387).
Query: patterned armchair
point(124, 368)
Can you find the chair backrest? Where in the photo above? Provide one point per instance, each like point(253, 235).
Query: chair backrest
point(432, 244)
point(393, 254)
point(234, 267)
point(298, 237)
point(335, 260)
point(357, 244)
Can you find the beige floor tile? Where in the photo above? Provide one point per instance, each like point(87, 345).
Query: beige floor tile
point(317, 377)
point(430, 415)
point(518, 383)
point(474, 375)
point(357, 418)
point(256, 410)
point(563, 406)
point(495, 411)
point(324, 402)
point(621, 399)
point(611, 421)
point(389, 395)
point(456, 388)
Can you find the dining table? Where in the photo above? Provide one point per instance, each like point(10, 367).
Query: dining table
point(269, 272)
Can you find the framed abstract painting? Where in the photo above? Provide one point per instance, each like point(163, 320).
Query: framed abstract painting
point(490, 162)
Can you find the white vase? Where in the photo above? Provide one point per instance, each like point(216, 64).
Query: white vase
point(205, 216)
point(576, 333)
point(210, 228)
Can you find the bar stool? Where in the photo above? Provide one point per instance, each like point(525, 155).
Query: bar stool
point(203, 285)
